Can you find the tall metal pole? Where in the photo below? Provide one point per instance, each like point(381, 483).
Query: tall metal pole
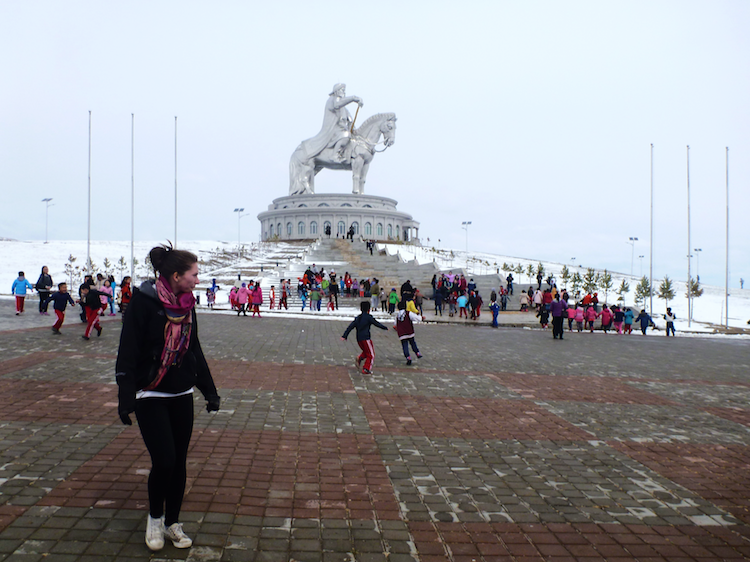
point(88, 235)
point(239, 210)
point(46, 201)
point(726, 272)
point(632, 240)
point(689, 289)
point(651, 241)
point(175, 181)
point(132, 197)
point(465, 226)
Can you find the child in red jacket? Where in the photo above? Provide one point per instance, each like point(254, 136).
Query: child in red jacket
point(404, 326)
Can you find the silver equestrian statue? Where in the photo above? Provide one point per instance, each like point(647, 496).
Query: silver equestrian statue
point(339, 146)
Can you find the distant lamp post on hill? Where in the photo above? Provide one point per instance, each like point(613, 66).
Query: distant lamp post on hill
point(641, 259)
point(698, 264)
point(46, 216)
point(239, 216)
point(632, 241)
point(465, 226)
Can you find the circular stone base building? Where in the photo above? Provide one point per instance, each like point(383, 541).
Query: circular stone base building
point(297, 217)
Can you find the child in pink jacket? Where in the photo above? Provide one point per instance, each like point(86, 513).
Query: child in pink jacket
point(571, 317)
point(257, 296)
point(591, 316)
point(242, 296)
point(579, 319)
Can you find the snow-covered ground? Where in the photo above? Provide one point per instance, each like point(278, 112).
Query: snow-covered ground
point(219, 259)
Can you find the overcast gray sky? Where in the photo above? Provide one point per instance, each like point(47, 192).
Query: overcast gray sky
point(531, 119)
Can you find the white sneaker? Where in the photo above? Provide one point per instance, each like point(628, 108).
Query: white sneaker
point(178, 537)
point(155, 533)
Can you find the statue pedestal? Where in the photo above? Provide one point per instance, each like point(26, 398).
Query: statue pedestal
point(298, 217)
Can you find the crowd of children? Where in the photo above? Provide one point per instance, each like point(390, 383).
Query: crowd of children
point(94, 296)
point(460, 295)
point(585, 312)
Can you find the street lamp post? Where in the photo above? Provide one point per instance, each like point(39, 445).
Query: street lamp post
point(465, 226)
point(239, 216)
point(698, 265)
point(632, 241)
point(46, 216)
point(641, 259)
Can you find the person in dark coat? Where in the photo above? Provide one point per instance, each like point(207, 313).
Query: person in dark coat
point(44, 287)
point(645, 321)
point(558, 308)
point(159, 362)
point(88, 281)
point(407, 291)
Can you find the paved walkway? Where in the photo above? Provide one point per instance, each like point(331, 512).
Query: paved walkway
point(497, 445)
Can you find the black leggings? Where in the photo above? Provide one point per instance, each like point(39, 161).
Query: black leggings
point(43, 296)
point(166, 426)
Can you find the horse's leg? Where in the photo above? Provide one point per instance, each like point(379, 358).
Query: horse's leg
point(363, 174)
point(297, 173)
point(357, 183)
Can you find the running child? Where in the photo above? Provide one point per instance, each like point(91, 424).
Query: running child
point(362, 324)
point(18, 289)
point(92, 303)
point(404, 326)
point(61, 299)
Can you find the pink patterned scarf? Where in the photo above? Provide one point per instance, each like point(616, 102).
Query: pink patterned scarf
point(178, 309)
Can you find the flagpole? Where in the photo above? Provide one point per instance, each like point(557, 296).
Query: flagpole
point(726, 273)
point(88, 235)
point(689, 283)
point(651, 240)
point(132, 197)
point(175, 181)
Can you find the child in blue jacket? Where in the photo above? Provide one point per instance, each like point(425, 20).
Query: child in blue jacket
point(19, 288)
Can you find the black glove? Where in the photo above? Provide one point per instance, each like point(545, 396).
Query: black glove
point(125, 397)
point(212, 403)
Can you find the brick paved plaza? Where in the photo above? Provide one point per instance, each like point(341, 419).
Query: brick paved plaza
point(497, 445)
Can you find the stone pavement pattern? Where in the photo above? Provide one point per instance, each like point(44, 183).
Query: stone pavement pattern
point(497, 445)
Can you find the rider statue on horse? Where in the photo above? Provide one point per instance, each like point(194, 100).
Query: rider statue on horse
point(338, 145)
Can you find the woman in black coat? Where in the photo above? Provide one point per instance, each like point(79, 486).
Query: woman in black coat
point(159, 362)
point(44, 287)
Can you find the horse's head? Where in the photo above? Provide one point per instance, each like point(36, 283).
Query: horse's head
point(388, 128)
point(380, 124)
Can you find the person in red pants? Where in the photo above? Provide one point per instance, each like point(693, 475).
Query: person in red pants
point(61, 299)
point(92, 303)
point(362, 324)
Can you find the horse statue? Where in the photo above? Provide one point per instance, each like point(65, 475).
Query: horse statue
point(355, 155)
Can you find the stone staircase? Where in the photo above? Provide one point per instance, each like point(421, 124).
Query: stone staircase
point(391, 270)
point(342, 256)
